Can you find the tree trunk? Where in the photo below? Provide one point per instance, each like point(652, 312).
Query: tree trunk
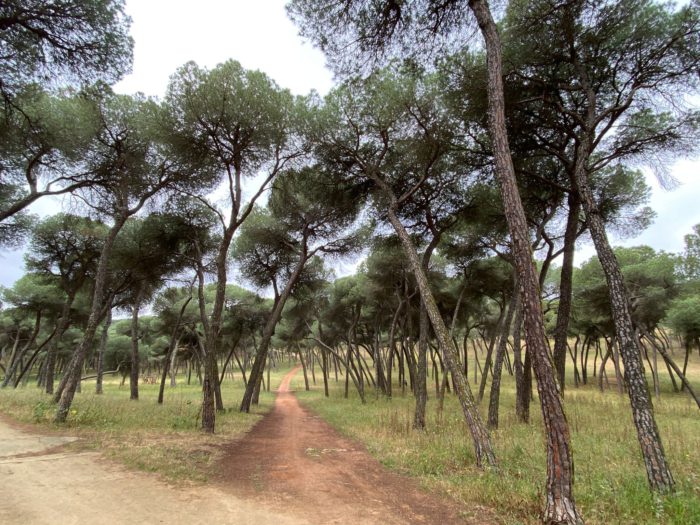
point(30, 361)
point(62, 325)
point(561, 331)
point(101, 351)
point(658, 470)
point(18, 356)
point(269, 330)
point(498, 366)
point(135, 358)
point(489, 354)
point(420, 386)
point(482, 444)
point(560, 505)
point(71, 377)
point(303, 368)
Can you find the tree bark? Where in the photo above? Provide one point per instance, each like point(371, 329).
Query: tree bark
point(18, 357)
point(256, 371)
point(135, 358)
point(62, 325)
point(498, 365)
point(560, 505)
point(489, 354)
point(658, 470)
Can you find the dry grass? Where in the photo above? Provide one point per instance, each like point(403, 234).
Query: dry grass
point(164, 439)
point(610, 485)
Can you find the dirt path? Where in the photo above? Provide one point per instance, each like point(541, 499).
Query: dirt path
point(293, 460)
point(42, 483)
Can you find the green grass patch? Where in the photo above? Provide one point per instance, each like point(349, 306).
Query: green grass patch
point(610, 485)
point(142, 434)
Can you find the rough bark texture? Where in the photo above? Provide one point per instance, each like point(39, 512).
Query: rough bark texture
point(560, 506)
point(658, 469)
point(482, 444)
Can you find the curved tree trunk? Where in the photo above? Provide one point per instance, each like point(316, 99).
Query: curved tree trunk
point(28, 365)
point(494, 396)
point(61, 326)
point(560, 505)
point(18, 357)
point(488, 362)
point(135, 358)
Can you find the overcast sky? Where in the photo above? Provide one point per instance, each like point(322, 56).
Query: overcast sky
point(168, 33)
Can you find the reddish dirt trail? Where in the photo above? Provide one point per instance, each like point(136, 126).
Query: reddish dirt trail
point(294, 461)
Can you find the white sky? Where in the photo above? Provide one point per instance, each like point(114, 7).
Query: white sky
point(257, 33)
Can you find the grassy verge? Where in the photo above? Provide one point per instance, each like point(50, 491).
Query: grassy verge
point(611, 484)
point(164, 439)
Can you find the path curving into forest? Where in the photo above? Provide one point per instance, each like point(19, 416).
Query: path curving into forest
point(292, 461)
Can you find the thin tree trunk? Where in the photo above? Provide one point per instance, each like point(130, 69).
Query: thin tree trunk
point(101, 351)
point(498, 366)
point(561, 331)
point(268, 332)
point(19, 355)
point(30, 361)
point(303, 367)
point(420, 387)
point(62, 325)
point(482, 444)
point(489, 354)
point(135, 358)
point(681, 375)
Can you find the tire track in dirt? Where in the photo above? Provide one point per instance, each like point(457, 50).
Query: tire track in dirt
point(293, 460)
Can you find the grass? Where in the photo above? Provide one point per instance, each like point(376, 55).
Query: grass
point(164, 439)
point(610, 485)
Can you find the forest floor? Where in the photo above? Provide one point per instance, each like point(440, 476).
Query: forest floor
point(44, 479)
point(293, 461)
point(291, 468)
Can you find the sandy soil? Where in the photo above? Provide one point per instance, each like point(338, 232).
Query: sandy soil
point(293, 460)
point(290, 469)
point(42, 483)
